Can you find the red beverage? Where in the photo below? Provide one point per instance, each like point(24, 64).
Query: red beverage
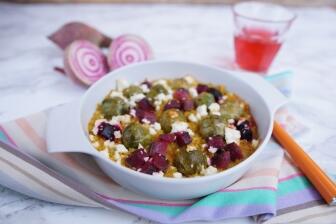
point(256, 49)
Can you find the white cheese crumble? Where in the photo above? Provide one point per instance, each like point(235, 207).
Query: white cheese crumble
point(116, 120)
point(232, 135)
point(189, 79)
point(157, 126)
point(120, 148)
point(201, 111)
point(135, 98)
point(158, 174)
point(105, 152)
point(145, 121)
point(117, 94)
point(177, 175)
point(212, 149)
point(214, 108)
point(152, 131)
point(179, 126)
point(231, 121)
point(192, 118)
point(209, 171)
point(133, 112)
point(193, 92)
point(190, 148)
point(122, 84)
point(255, 143)
point(144, 88)
point(117, 134)
point(140, 146)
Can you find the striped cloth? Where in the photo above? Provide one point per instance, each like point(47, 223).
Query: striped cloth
point(273, 191)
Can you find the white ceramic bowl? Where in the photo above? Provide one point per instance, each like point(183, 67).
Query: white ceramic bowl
point(71, 121)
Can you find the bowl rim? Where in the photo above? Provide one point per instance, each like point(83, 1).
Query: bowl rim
point(160, 179)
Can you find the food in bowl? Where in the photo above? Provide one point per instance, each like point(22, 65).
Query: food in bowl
point(173, 128)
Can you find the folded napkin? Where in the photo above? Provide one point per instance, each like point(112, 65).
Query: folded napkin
point(272, 187)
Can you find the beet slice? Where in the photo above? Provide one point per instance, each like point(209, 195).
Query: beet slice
point(187, 104)
point(216, 142)
point(148, 115)
point(221, 159)
point(202, 88)
point(159, 162)
point(144, 104)
point(168, 137)
point(173, 104)
point(181, 94)
point(127, 49)
point(158, 147)
point(245, 130)
point(106, 131)
point(148, 168)
point(136, 159)
point(234, 150)
point(73, 31)
point(183, 138)
point(84, 62)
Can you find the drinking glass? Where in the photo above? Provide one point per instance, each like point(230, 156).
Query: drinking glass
point(259, 33)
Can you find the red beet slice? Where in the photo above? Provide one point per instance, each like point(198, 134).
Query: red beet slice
point(73, 31)
point(159, 162)
point(136, 159)
point(183, 138)
point(167, 137)
point(128, 49)
point(216, 142)
point(245, 130)
point(187, 104)
point(106, 131)
point(84, 62)
point(221, 159)
point(148, 168)
point(201, 88)
point(158, 147)
point(173, 104)
point(235, 151)
point(181, 94)
point(144, 104)
point(148, 115)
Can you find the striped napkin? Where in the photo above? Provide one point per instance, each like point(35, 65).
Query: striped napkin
point(273, 191)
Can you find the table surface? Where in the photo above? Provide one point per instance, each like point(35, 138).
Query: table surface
point(194, 33)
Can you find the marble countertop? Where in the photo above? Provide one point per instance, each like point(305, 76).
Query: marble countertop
point(194, 33)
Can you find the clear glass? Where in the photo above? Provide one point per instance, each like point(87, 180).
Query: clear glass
point(259, 33)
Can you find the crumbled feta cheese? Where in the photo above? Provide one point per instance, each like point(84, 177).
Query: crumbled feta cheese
point(208, 161)
point(145, 121)
point(116, 120)
point(201, 111)
point(136, 98)
point(192, 118)
point(96, 144)
point(158, 174)
point(144, 88)
point(191, 148)
point(209, 171)
point(193, 92)
point(204, 145)
point(179, 126)
point(232, 135)
point(157, 126)
point(133, 112)
point(117, 134)
point(122, 84)
point(120, 148)
point(231, 121)
point(212, 149)
point(214, 108)
point(105, 152)
point(117, 94)
point(140, 146)
point(177, 175)
point(152, 131)
point(255, 143)
point(191, 133)
point(189, 79)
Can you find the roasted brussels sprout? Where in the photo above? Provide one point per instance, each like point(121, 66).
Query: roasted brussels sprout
point(114, 106)
point(135, 134)
point(211, 126)
point(190, 163)
point(168, 117)
point(179, 83)
point(156, 90)
point(132, 90)
point(231, 110)
point(205, 98)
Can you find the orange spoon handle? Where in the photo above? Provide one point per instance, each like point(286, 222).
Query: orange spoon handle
point(313, 172)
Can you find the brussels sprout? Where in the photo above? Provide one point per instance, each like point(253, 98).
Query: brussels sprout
point(168, 117)
point(231, 110)
point(156, 90)
point(132, 90)
point(189, 163)
point(205, 98)
point(135, 134)
point(179, 83)
point(211, 126)
point(114, 106)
